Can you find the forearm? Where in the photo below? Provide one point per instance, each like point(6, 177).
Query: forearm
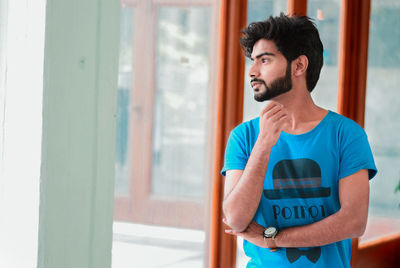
point(348, 222)
point(339, 226)
point(240, 205)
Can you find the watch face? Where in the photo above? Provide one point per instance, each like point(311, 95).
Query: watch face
point(270, 231)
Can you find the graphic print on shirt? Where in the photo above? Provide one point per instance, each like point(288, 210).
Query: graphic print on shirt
point(312, 254)
point(298, 178)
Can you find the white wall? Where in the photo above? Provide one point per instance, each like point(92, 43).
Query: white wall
point(21, 73)
point(79, 115)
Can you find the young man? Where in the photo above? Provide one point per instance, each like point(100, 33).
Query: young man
point(297, 177)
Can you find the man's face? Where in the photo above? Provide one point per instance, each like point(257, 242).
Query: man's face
point(270, 72)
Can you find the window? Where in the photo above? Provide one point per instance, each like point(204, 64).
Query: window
point(164, 143)
point(381, 117)
point(124, 106)
point(326, 15)
point(257, 10)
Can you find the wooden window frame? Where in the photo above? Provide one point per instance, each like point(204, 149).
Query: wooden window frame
point(230, 114)
point(353, 59)
point(353, 66)
point(178, 212)
point(297, 7)
point(353, 56)
point(231, 66)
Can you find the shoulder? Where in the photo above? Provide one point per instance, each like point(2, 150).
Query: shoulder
point(247, 128)
point(355, 151)
point(245, 134)
point(345, 126)
point(348, 132)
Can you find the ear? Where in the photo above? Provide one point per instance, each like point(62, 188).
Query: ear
point(300, 65)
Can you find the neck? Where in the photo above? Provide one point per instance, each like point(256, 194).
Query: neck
point(302, 110)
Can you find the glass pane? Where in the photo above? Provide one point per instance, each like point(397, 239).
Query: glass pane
point(258, 10)
point(123, 108)
point(326, 15)
point(381, 118)
point(181, 101)
point(180, 124)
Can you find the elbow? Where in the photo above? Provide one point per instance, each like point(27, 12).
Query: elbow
point(235, 224)
point(355, 221)
point(234, 219)
point(358, 226)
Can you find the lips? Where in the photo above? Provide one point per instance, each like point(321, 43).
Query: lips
point(256, 84)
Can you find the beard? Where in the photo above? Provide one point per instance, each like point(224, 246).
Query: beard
point(278, 87)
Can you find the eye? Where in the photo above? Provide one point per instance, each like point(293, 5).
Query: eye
point(264, 60)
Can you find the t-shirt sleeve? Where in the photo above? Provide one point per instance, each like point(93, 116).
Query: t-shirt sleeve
point(355, 153)
point(235, 152)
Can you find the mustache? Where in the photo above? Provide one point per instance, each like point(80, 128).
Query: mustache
point(257, 80)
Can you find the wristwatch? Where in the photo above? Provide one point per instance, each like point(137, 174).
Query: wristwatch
point(270, 232)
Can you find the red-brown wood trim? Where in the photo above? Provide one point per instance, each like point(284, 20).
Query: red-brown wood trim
point(229, 114)
point(354, 251)
point(297, 7)
point(383, 252)
point(353, 58)
point(376, 242)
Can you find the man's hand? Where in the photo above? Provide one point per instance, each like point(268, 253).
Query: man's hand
point(243, 189)
point(272, 119)
point(254, 233)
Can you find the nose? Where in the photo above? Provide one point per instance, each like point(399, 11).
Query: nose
point(253, 72)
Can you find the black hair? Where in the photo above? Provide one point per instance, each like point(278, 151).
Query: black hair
point(293, 36)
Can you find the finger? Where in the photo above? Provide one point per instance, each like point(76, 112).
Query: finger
point(231, 232)
point(270, 105)
point(253, 228)
point(255, 224)
point(256, 228)
point(286, 120)
point(282, 117)
point(271, 112)
point(277, 116)
point(283, 121)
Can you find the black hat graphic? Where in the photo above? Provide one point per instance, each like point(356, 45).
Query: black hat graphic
point(297, 178)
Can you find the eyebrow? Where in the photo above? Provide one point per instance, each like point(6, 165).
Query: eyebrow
point(263, 54)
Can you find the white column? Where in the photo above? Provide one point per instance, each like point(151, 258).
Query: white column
point(79, 115)
point(21, 76)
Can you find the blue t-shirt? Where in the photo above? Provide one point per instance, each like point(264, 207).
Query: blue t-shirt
point(301, 184)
